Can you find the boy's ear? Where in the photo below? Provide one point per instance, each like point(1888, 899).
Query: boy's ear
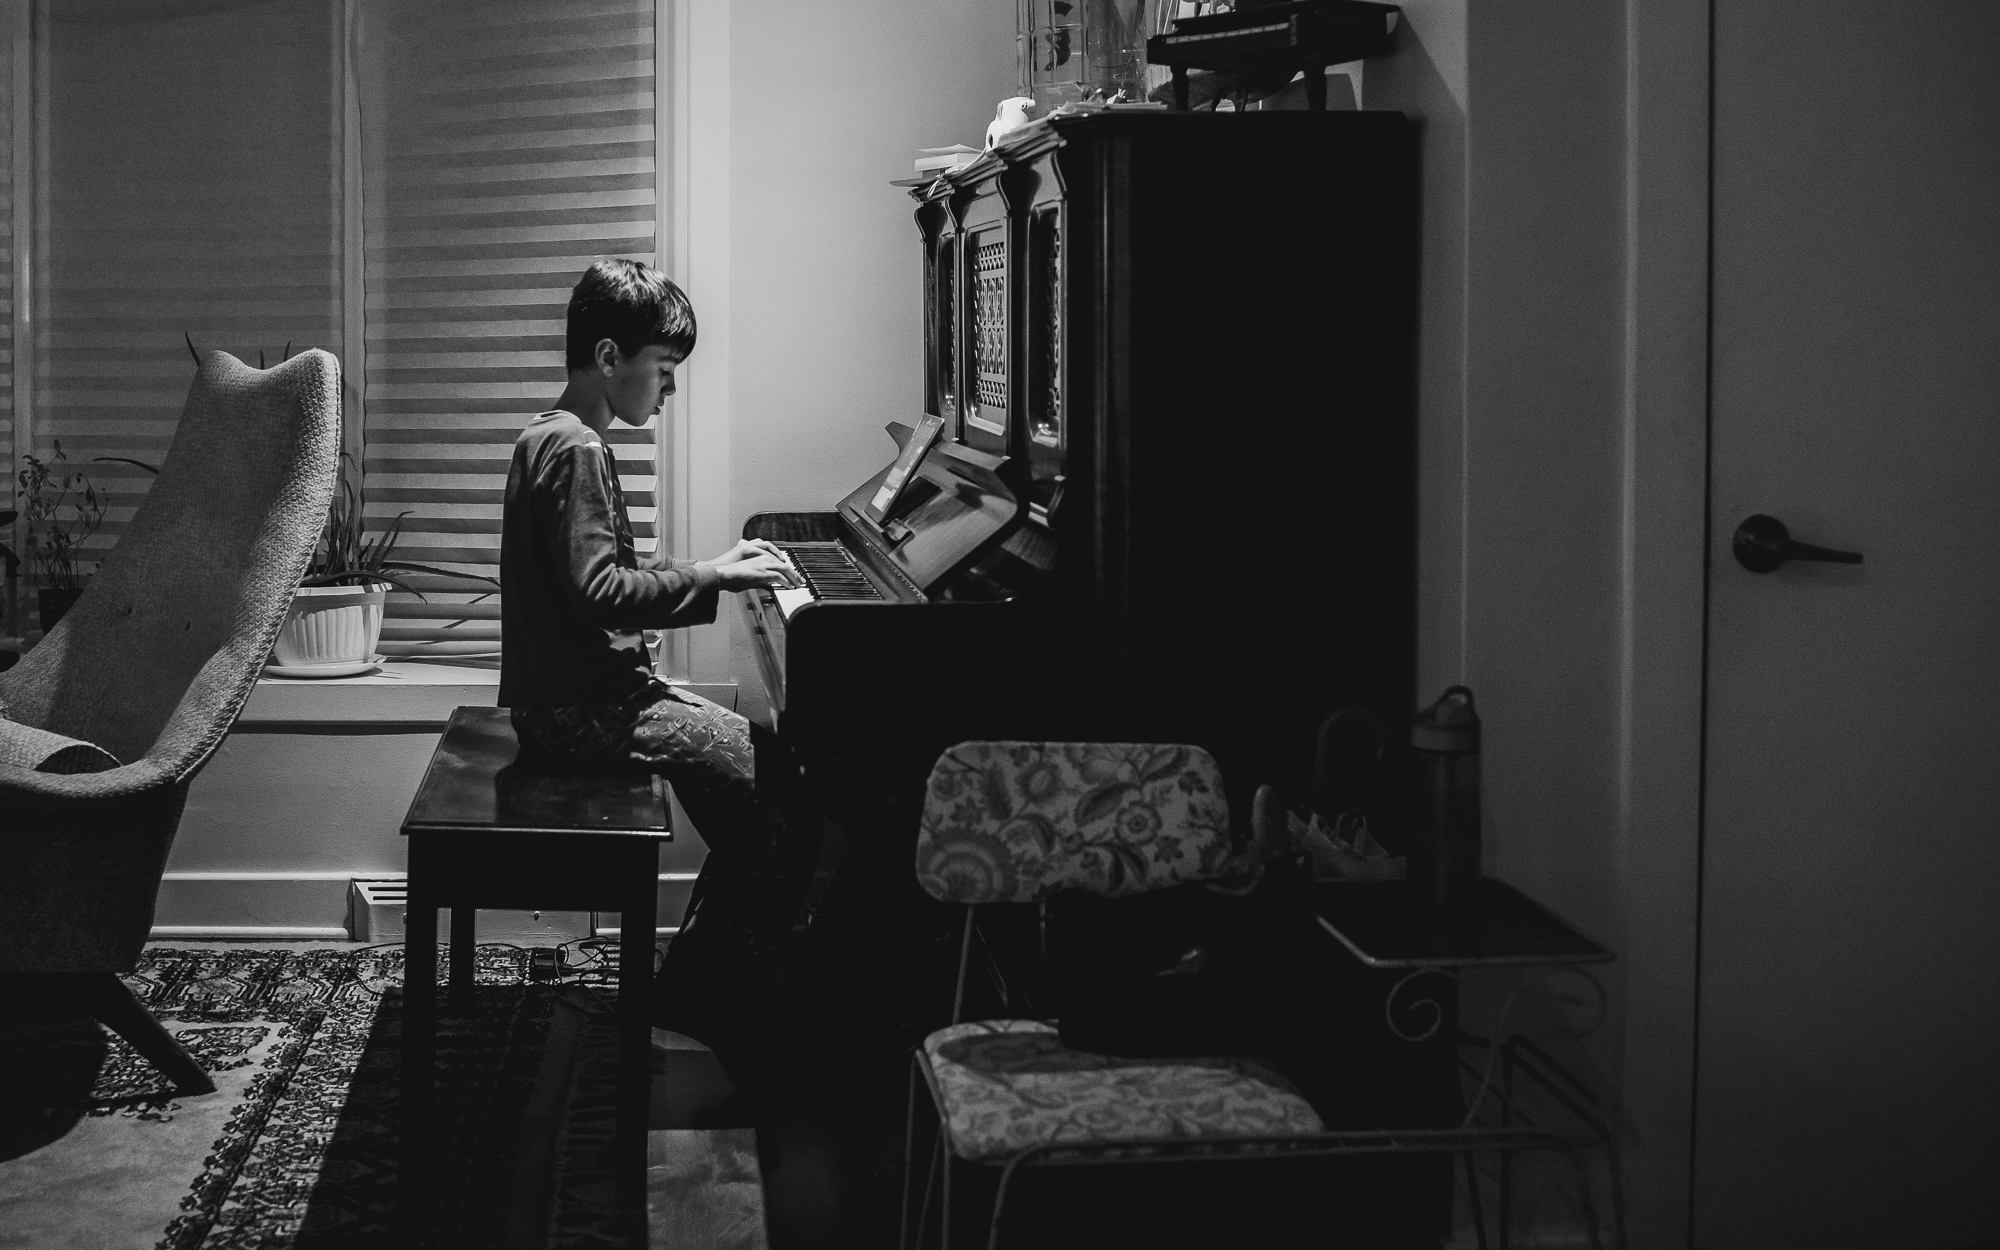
point(606, 355)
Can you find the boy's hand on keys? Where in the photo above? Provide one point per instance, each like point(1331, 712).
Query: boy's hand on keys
point(764, 569)
point(749, 548)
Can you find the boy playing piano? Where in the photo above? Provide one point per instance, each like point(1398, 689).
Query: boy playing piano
point(575, 670)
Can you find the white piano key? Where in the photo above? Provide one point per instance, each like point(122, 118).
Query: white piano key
point(791, 598)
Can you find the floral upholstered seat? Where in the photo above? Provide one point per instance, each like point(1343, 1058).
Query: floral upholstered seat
point(1005, 1086)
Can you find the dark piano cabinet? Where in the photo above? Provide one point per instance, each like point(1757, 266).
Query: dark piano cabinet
point(1187, 343)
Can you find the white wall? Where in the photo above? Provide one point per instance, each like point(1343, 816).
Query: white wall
point(1561, 460)
point(828, 103)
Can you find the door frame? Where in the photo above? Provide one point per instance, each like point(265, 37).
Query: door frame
point(1664, 599)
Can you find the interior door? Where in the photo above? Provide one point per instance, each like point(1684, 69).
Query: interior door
point(1848, 1072)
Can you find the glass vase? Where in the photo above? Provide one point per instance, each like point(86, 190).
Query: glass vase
point(1071, 50)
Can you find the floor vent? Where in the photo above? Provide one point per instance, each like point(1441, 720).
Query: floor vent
point(375, 908)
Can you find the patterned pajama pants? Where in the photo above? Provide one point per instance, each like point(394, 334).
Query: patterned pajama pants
point(735, 782)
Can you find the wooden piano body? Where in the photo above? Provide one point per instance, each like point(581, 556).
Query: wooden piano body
point(1176, 497)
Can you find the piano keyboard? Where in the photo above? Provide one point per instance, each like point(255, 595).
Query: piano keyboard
point(830, 573)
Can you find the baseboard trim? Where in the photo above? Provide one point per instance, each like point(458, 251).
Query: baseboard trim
point(276, 906)
point(244, 933)
point(341, 875)
point(227, 905)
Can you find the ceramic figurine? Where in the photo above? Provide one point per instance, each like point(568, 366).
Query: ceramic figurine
point(1011, 114)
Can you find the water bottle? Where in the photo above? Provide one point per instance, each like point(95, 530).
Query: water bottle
point(1444, 838)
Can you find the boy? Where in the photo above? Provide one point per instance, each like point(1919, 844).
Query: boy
point(576, 672)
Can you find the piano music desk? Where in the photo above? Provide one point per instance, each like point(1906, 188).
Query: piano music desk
point(487, 831)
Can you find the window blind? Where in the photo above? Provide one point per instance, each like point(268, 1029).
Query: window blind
point(191, 173)
point(505, 145)
point(11, 118)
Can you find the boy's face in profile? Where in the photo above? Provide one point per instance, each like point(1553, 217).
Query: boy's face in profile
point(639, 383)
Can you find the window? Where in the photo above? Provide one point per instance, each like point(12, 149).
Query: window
point(185, 186)
point(10, 143)
point(505, 145)
point(414, 187)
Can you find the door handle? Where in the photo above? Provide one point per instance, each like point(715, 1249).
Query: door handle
point(1763, 543)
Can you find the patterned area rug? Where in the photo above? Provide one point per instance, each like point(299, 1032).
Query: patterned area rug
point(297, 1147)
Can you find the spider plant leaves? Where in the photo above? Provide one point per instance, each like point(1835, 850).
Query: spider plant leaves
point(348, 552)
point(410, 566)
point(359, 577)
point(137, 464)
point(391, 572)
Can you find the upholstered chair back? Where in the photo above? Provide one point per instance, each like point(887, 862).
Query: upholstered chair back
point(1014, 822)
point(158, 656)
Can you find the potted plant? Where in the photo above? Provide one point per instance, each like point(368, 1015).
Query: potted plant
point(62, 509)
point(335, 619)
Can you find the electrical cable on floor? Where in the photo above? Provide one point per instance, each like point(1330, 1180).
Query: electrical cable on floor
point(589, 970)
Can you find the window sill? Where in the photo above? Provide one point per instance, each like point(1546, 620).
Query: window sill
point(403, 693)
point(406, 694)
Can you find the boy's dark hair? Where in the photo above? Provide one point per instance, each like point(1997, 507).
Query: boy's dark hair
point(631, 304)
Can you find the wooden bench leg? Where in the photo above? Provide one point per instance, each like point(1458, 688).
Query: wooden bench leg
point(463, 947)
point(419, 1044)
point(637, 922)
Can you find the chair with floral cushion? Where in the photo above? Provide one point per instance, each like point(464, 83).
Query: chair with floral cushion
point(1015, 822)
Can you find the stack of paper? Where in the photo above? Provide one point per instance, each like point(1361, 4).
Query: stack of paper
point(936, 162)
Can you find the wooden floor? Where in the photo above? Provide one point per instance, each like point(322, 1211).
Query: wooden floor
point(703, 1187)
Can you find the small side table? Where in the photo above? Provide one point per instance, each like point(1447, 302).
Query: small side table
point(1501, 928)
point(489, 830)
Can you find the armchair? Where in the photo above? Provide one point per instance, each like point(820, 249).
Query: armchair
point(106, 721)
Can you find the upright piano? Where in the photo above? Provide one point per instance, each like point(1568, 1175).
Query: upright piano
point(1174, 498)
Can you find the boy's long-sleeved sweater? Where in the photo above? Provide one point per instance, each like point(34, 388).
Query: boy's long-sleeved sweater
point(575, 592)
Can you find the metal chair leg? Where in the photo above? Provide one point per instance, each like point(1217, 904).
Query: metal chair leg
point(903, 1241)
point(944, 1157)
point(1472, 1201)
point(909, 1151)
point(936, 1153)
point(1617, 1191)
point(1506, 1156)
point(1583, 1194)
point(1007, 1175)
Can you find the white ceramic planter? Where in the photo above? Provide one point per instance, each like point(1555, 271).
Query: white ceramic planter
point(331, 625)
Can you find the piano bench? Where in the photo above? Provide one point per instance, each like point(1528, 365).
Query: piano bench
point(490, 828)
